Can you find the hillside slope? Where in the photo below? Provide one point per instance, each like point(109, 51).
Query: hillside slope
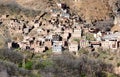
point(92, 9)
point(89, 10)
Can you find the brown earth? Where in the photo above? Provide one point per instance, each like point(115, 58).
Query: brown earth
point(90, 10)
point(93, 9)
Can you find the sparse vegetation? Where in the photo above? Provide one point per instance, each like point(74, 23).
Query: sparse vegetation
point(83, 51)
point(62, 65)
point(16, 10)
point(90, 37)
point(30, 19)
point(12, 56)
point(76, 40)
point(118, 64)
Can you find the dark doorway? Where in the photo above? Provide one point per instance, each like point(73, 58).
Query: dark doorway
point(15, 45)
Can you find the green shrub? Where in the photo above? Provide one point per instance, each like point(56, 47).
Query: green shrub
point(43, 64)
point(90, 37)
point(83, 51)
point(77, 40)
point(28, 65)
point(118, 64)
point(12, 56)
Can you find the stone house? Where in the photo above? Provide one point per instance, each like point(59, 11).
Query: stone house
point(1, 22)
point(66, 36)
point(24, 45)
point(117, 70)
point(117, 20)
point(95, 44)
point(73, 47)
point(36, 25)
point(93, 30)
point(55, 12)
point(53, 20)
point(31, 22)
point(65, 43)
point(56, 38)
point(118, 44)
point(58, 31)
point(33, 44)
point(59, 4)
point(64, 10)
point(57, 47)
point(48, 37)
point(64, 6)
point(65, 15)
point(49, 26)
point(13, 45)
point(84, 43)
point(112, 36)
point(85, 29)
point(19, 30)
point(41, 41)
point(111, 41)
point(44, 33)
point(39, 30)
point(77, 33)
point(76, 0)
point(39, 49)
point(4, 16)
point(26, 30)
point(68, 30)
point(110, 44)
point(98, 36)
point(15, 25)
point(9, 45)
point(105, 44)
point(26, 38)
point(76, 24)
point(48, 44)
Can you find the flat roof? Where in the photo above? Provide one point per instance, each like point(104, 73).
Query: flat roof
point(112, 36)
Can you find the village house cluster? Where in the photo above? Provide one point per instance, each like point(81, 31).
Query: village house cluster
point(63, 31)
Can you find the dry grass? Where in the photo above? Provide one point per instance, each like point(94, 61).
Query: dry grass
point(93, 9)
point(34, 4)
point(2, 42)
point(115, 28)
point(87, 9)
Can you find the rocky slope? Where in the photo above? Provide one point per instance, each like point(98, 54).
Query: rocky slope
point(88, 9)
point(93, 9)
point(29, 4)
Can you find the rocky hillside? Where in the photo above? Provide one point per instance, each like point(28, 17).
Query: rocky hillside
point(87, 9)
point(93, 9)
point(35, 4)
point(29, 4)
